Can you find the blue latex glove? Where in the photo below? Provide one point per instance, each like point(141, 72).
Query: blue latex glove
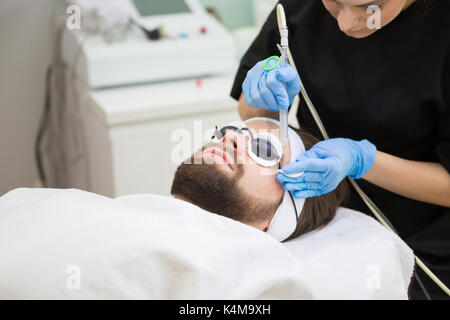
point(267, 90)
point(326, 164)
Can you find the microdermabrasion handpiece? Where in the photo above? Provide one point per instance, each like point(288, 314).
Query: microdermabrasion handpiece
point(282, 25)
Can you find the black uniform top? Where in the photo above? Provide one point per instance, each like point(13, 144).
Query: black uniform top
point(392, 88)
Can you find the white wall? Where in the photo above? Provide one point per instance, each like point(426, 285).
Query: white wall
point(233, 13)
point(24, 56)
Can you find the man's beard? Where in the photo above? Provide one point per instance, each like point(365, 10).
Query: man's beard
point(206, 186)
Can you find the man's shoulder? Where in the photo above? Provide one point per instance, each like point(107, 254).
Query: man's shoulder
point(357, 218)
point(347, 224)
point(347, 212)
point(350, 228)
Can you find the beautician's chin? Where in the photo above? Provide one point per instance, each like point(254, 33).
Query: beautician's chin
point(360, 34)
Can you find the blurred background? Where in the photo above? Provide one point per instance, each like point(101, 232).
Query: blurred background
point(106, 136)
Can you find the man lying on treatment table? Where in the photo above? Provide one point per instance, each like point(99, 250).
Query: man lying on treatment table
point(348, 254)
point(231, 232)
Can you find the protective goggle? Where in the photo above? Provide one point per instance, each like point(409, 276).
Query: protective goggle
point(263, 147)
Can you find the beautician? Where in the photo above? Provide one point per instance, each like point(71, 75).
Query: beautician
point(384, 97)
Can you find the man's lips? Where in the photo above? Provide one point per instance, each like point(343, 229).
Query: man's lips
point(219, 154)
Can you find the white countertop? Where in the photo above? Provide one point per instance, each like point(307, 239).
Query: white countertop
point(151, 102)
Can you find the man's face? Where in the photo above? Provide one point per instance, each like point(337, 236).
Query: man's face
point(256, 180)
point(224, 179)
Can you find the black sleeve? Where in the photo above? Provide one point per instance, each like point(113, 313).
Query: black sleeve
point(443, 122)
point(264, 46)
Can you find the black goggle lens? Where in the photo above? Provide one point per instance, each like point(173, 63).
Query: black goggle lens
point(262, 148)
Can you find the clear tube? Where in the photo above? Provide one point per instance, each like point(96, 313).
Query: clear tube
point(284, 112)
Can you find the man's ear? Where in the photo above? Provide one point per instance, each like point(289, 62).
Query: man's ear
point(263, 225)
point(267, 224)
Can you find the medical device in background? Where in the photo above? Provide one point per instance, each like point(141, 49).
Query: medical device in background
point(159, 40)
point(370, 204)
point(133, 138)
point(118, 108)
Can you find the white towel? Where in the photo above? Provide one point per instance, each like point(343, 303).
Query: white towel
point(70, 244)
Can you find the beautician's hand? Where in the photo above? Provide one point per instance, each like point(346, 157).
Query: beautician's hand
point(266, 90)
point(326, 164)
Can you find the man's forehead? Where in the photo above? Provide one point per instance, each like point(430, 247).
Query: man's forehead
point(263, 125)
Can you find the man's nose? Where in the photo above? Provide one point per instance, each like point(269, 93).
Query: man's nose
point(347, 19)
point(236, 142)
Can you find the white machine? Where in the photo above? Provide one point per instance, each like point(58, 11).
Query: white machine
point(132, 135)
point(128, 103)
point(193, 44)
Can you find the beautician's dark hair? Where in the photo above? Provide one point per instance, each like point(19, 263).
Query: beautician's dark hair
point(427, 3)
point(424, 6)
point(318, 211)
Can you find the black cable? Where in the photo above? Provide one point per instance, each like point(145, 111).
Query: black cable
point(422, 286)
point(154, 34)
point(42, 128)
